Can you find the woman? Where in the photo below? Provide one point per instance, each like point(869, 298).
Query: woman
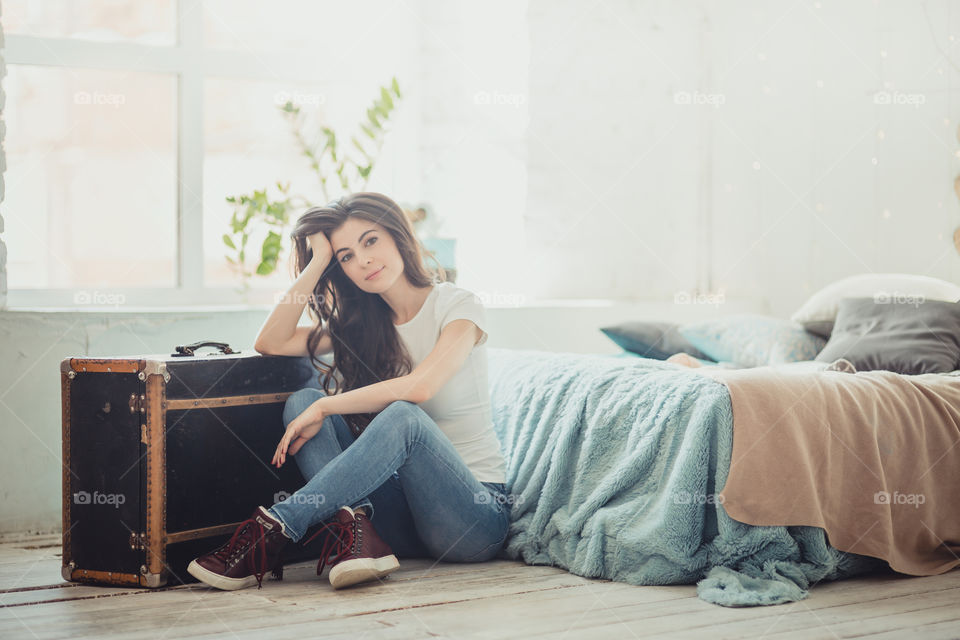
point(406, 440)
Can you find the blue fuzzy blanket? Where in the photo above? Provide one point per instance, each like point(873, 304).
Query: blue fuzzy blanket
point(614, 465)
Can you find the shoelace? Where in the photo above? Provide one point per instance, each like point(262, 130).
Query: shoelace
point(339, 540)
point(240, 541)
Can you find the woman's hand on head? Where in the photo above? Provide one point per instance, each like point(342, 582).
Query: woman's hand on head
point(321, 247)
point(302, 428)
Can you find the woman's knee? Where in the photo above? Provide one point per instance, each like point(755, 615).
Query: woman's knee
point(401, 416)
point(298, 401)
point(400, 407)
point(405, 411)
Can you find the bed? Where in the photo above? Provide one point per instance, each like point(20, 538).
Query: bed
point(618, 466)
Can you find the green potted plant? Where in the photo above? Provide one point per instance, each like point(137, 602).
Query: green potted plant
point(339, 168)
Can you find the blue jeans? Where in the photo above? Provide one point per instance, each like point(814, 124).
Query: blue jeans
point(417, 490)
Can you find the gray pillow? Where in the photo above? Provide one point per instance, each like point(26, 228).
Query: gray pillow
point(905, 337)
point(821, 328)
point(657, 340)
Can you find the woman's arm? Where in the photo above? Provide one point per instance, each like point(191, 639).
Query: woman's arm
point(447, 357)
point(372, 398)
point(280, 335)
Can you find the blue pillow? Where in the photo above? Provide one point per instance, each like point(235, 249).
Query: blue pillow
point(753, 340)
point(657, 340)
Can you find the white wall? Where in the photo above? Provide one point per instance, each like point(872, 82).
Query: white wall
point(786, 176)
point(473, 152)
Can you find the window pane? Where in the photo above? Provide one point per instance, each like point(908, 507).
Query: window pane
point(91, 180)
point(151, 22)
point(249, 146)
point(327, 30)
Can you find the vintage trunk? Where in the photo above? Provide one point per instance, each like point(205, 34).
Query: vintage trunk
point(164, 455)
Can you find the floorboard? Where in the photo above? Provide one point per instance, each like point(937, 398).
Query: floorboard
point(426, 599)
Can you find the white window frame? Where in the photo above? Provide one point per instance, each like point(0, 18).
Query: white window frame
point(191, 64)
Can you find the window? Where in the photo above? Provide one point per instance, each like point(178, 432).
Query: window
point(129, 123)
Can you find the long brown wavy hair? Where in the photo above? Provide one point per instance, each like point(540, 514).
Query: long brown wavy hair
point(366, 346)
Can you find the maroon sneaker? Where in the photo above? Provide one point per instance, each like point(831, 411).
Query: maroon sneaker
point(253, 549)
point(359, 554)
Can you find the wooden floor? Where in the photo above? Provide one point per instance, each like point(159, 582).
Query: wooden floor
point(499, 599)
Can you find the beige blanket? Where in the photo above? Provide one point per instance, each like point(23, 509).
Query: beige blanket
point(871, 457)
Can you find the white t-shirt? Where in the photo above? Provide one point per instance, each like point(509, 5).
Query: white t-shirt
point(462, 407)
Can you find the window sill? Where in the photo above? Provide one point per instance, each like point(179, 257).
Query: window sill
point(533, 305)
point(174, 301)
point(134, 310)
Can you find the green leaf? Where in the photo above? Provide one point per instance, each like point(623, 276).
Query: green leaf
point(365, 171)
point(227, 240)
point(265, 268)
point(277, 209)
point(396, 87)
point(271, 247)
point(331, 137)
point(367, 130)
point(385, 97)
